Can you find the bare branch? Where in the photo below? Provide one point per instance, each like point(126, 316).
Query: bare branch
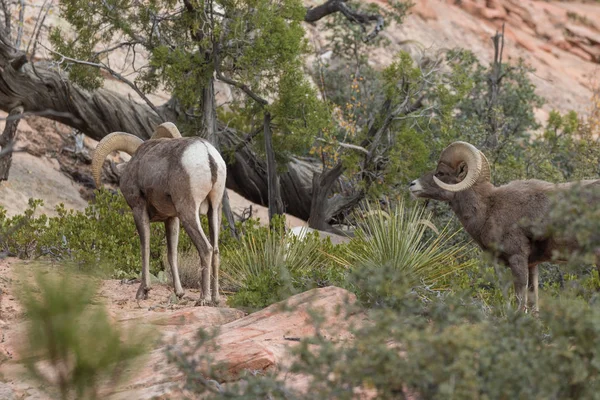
point(354, 147)
point(46, 113)
point(115, 47)
point(110, 71)
point(333, 6)
point(39, 23)
point(243, 87)
point(21, 25)
point(247, 139)
point(10, 149)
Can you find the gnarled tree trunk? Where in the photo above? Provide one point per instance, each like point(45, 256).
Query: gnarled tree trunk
point(6, 142)
point(40, 89)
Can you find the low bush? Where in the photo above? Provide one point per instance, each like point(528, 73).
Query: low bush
point(433, 345)
point(104, 234)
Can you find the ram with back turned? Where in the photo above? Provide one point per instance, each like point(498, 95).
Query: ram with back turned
point(171, 179)
point(510, 221)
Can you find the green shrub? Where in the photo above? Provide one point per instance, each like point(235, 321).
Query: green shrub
point(72, 333)
point(435, 346)
point(104, 234)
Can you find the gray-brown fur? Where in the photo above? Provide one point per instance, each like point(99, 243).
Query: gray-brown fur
point(507, 221)
point(157, 187)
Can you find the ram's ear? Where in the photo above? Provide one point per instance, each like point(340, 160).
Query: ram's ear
point(461, 170)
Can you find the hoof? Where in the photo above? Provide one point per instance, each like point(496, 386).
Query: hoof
point(142, 293)
point(205, 303)
point(201, 303)
point(180, 294)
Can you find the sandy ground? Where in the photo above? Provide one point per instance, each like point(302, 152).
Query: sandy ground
point(161, 313)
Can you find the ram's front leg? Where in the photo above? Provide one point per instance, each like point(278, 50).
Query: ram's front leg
point(520, 271)
point(142, 223)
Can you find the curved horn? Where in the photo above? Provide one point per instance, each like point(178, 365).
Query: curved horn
point(463, 151)
point(486, 175)
point(166, 130)
point(116, 141)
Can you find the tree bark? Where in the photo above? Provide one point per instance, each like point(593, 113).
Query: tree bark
point(6, 142)
point(44, 91)
point(275, 203)
point(209, 127)
point(324, 208)
point(40, 89)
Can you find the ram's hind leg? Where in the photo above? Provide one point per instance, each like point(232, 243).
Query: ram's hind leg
point(172, 231)
point(598, 265)
point(191, 223)
point(533, 286)
point(520, 272)
point(214, 224)
point(142, 223)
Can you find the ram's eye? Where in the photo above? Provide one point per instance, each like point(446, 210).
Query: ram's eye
point(440, 174)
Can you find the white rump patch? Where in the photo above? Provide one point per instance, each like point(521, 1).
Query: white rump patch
point(195, 162)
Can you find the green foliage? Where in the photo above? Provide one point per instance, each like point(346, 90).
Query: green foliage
point(375, 133)
point(551, 156)
point(103, 234)
point(70, 331)
point(399, 244)
point(574, 214)
point(298, 114)
point(255, 44)
point(268, 265)
point(436, 346)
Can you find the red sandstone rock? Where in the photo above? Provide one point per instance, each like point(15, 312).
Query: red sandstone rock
point(424, 10)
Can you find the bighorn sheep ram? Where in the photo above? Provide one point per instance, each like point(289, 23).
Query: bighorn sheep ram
point(168, 179)
point(505, 220)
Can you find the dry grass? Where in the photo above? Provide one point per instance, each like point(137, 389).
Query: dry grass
point(189, 269)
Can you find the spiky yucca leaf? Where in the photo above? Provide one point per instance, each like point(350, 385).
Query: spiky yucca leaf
point(407, 241)
point(266, 265)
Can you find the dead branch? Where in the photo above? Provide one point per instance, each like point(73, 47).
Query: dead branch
point(7, 141)
point(110, 71)
point(21, 24)
point(314, 14)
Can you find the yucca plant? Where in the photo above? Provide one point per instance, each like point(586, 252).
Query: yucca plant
point(393, 252)
point(263, 269)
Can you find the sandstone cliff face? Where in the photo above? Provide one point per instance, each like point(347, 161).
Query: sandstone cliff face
point(561, 40)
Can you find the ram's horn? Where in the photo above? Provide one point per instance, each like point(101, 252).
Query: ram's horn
point(463, 151)
point(166, 130)
point(116, 141)
point(485, 175)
